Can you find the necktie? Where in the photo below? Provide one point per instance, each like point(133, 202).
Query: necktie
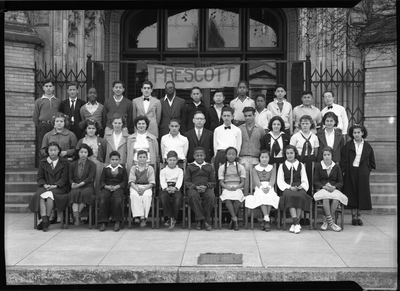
point(275, 146)
point(72, 106)
point(146, 98)
point(291, 176)
point(330, 107)
point(227, 127)
point(328, 171)
point(52, 165)
point(198, 134)
point(306, 147)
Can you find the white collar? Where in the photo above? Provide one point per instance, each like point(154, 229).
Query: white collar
point(70, 100)
point(326, 132)
point(302, 105)
point(295, 164)
point(203, 164)
point(166, 98)
point(325, 167)
point(362, 141)
point(50, 161)
point(89, 103)
point(228, 163)
point(122, 97)
point(237, 98)
point(281, 133)
point(111, 167)
point(44, 96)
point(265, 109)
point(283, 100)
point(178, 135)
point(260, 168)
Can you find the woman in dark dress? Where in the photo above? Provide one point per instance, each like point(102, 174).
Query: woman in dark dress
point(52, 180)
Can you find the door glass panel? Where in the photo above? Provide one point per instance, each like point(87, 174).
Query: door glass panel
point(262, 79)
point(223, 29)
point(143, 30)
point(261, 26)
point(183, 29)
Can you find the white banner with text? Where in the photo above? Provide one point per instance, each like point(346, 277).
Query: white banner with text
point(203, 77)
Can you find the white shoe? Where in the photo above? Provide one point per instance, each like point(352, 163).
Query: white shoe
point(324, 226)
point(297, 228)
point(335, 227)
point(292, 228)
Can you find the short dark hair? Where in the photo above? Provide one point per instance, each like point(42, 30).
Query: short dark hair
point(72, 84)
point(248, 109)
point(309, 118)
point(198, 112)
point(288, 147)
point(243, 82)
point(91, 122)
point(84, 146)
point(118, 116)
point(264, 151)
point(194, 88)
point(55, 144)
point(280, 86)
point(142, 152)
point(279, 119)
point(60, 115)
point(306, 92)
point(333, 95)
point(114, 153)
point(228, 109)
point(118, 82)
point(169, 82)
point(172, 154)
point(328, 149)
point(218, 91)
point(261, 95)
point(140, 118)
point(363, 130)
point(231, 148)
point(147, 83)
point(331, 115)
point(175, 120)
point(48, 80)
point(199, 149)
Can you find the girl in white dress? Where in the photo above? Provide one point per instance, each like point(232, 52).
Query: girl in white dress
point(264, 177)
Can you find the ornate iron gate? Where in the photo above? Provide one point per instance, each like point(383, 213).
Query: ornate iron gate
point(347, 85)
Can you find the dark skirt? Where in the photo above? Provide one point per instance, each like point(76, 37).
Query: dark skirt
point(295, 199)
point(60, 199)
point(81, 195)
point(357, 199)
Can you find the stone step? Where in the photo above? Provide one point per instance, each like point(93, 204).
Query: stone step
point(378, 210)
point(387, 188)
point(21, 197)
point(17, 187)
point(16, 207)
point(21, 176)
point(384, 199)
point(383, 177)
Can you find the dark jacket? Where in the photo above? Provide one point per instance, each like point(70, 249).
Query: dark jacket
point(338, 145)
point(89, 172)
point(66, 109)
point(321, 177)
point(367, 163)
point(212, 120)
point(206, 142)
point(266, 144)
point(194, 176)
point(120, 179)
point(59, 177)
point(170, 112)
point(188, 113)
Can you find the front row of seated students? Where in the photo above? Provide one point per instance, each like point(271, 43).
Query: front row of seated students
point(357, 162)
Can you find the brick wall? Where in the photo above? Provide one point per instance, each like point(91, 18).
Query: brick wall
point(19, 100)
point(380, 108)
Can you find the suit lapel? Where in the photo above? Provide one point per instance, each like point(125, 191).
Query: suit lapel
point(140, 105)
point(110, 140)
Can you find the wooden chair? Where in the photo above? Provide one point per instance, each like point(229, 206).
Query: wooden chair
point(184, 204)
point(63, 224)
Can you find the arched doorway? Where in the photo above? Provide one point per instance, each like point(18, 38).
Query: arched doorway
point(209, 35)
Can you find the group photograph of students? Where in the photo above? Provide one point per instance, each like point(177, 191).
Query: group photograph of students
point(116, 162)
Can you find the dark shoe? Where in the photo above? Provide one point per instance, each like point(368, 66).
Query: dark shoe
point(354, 221)
point(236, 225)
point(230, 225)
point(359, 222)
point(116, 226)
point(40, 226)
point(198, 227)
point(45, 223)
point(262, 225)
point(54, 220)
point(102, 227)
point(207, 226)
point(267, 225)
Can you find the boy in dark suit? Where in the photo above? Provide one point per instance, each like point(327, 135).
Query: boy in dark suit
point(113, 183)
point(199, 136)
point(172, 107)
point(214, 113)
point(72, 108)
point(190, 109)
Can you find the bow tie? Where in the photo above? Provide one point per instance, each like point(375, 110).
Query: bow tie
point(227, 127)
point(330, 107)
point(146, 98)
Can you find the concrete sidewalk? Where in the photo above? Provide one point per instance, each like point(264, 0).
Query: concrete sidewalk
point(367, 254)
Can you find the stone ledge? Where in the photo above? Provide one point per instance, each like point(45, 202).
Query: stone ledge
point(383, 278)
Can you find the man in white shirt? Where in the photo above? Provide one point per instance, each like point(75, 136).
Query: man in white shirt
point(240, 102)
point(306, 109)
point(281, 107)
point(339, 110)
point(174, 141)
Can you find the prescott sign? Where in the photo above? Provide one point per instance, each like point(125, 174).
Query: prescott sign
point(204, 77)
